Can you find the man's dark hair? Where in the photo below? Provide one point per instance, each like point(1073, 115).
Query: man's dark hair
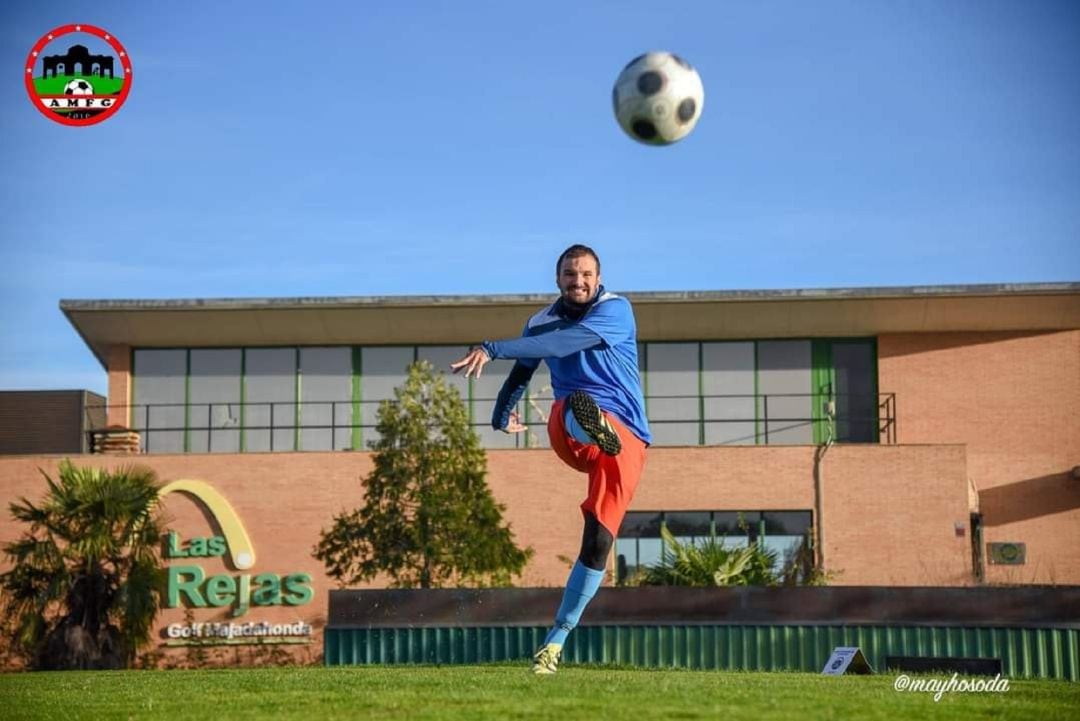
point(576, 251)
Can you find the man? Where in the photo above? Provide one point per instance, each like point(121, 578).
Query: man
point(597, 425)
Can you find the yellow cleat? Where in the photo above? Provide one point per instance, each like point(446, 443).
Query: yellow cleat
point(546, 660)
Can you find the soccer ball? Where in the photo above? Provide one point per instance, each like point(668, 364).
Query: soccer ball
point(78, 87)
point(658, 98)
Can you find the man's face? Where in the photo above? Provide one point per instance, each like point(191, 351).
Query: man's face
point(578, 279)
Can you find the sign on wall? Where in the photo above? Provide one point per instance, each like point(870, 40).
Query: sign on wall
point(1007, 554)
point(191, 586)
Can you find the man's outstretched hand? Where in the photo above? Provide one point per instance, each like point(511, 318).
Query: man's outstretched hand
point(514, 425)
point(472, 363)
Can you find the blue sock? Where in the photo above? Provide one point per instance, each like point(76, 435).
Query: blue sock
point(575, 430)
point(580, 588)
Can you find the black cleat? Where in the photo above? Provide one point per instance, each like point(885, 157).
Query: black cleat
point(592, 421)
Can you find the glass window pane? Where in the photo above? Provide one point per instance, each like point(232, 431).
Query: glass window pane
point(626, 558)
point(649, 552)
point(688, 523)
point(441, 356)
point(787, 523)
point(673, 405)
point(670, 432)
point(537, 408)
point(673, 369)
point(269, 399)
point(731, 432)
point(856, 401)
point(638, 541)
point(784, 380)
point(369, 419)
point(728, 385)
point(667, 433)
point(158, 399)
point(786, 549)
point(384, 369)
point(728, 369)
point(215, 400)
point(641, 524)
point(493, 376)
point(664, 410)
point(735, 523)
point(489, 437)
point(485, 390)
point(326, 411)
point(734, 541)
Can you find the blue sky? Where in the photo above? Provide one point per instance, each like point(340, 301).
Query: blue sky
point(279, 149)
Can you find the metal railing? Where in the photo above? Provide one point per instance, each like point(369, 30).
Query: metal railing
point(746, 419)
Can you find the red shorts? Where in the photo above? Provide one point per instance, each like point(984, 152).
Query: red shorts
point(612, 479)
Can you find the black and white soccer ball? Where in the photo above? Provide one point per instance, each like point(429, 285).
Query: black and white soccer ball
point(658, 98)
point(78, 87)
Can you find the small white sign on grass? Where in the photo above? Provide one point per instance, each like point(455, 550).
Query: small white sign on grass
point(844, 659)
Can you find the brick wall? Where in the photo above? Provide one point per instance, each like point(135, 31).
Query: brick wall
point(119, 369)
point(889, 511)
point(45, 421)
point(1013, 399)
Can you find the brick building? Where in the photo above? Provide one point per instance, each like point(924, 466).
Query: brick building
point(903, 436)
point(49, 421)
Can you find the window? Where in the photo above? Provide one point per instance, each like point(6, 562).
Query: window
point(760, 392)
point(784, 385)
point(674, 403)
point(382, 370)
point(158, 399)
point(536, 409)
point(785, 533)
point(214, 392)
point(689, 526)
point(440, 357)
point(326, 410)
point(270, 399)
point(856, 392)
point(640, 545)
point(327, 398)
point(735, 528)
point(485, 390)
point(727, 375)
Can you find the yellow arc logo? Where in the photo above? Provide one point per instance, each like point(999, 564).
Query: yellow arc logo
point(236, 538)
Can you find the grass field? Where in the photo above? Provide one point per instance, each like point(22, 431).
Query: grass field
point(102, 86)
point(506, 692)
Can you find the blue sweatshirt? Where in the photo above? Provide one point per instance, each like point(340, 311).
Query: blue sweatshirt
point(592, 349)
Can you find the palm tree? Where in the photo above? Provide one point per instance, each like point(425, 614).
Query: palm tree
point(710, 563)
point(86, 577)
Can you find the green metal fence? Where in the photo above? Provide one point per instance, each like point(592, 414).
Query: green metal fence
point(1024, 652)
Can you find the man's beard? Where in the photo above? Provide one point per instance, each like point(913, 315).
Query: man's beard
point(575, 309)
point(575, 304)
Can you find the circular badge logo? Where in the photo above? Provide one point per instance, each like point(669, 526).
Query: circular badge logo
point(78, 75)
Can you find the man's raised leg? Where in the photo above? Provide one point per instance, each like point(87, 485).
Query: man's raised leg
point(587, 424)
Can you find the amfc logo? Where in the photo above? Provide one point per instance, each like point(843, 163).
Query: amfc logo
point(78, 74)
point(190, 584)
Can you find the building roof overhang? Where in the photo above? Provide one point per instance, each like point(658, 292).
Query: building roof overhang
point(661, 316)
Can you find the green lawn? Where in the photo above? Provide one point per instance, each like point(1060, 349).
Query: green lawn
point(102, 86)
point(506, 691)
